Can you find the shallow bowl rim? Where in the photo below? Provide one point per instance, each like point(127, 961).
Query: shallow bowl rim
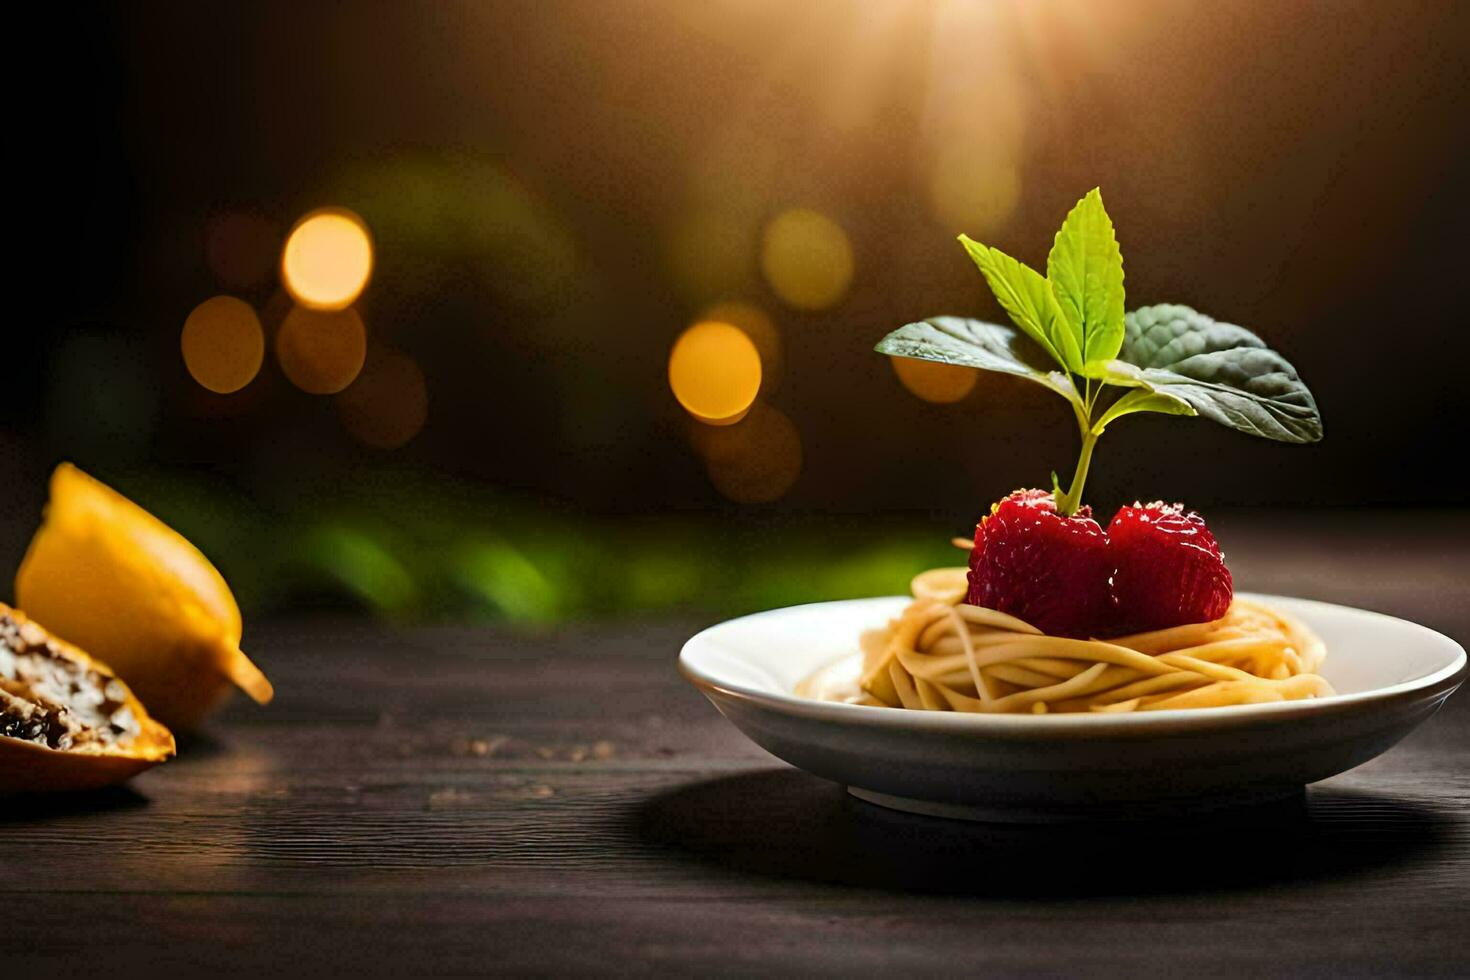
point(1446, 678)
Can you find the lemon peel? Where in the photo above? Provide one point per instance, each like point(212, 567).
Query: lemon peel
point(108, 576)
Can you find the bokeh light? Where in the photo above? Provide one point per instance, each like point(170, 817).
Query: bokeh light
point(328, 259)
point(240, 248)
point(754, 461)
point(223, 344)
point(807, 259)
point(388, 403)
point(761, 330)
point(935, 382)
point(321, 351)
point(715, 372)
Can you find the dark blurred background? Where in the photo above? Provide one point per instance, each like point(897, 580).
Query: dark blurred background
point(556, 190)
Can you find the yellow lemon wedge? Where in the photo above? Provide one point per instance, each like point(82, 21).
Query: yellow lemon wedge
point(108, 576)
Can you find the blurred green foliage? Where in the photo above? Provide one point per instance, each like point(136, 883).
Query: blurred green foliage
point(409, 547)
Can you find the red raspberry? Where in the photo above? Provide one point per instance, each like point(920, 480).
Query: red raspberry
point(1034, 564)
point(1168, 569)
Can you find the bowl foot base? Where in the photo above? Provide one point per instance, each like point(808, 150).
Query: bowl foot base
point(1001, 812)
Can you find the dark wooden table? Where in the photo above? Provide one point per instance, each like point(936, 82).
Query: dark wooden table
point(481, 800)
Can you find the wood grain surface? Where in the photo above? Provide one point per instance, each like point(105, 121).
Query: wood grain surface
point(482, 800)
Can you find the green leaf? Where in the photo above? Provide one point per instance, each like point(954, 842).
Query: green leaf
point(977, 344)
point(1142, 400)
point(1027, 297)
point(1085, 269)
point(1118, 373)
point(1225, 372)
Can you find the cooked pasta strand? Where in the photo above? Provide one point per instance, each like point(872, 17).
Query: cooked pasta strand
point(942, 654)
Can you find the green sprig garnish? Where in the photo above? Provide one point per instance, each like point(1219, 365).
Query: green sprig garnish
point(1075, 339)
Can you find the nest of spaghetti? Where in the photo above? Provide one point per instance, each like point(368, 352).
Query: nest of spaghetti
point(942, 654)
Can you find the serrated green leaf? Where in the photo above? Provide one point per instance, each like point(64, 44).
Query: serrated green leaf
point(1223, 371)
point(1142, 400)
point(1085, 269)
point(1027, 297)
point(977, 344)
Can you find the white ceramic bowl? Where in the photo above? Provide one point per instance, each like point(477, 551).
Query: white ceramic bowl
point(1390, 675)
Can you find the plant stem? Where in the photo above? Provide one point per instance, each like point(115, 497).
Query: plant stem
point(1072, 499)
